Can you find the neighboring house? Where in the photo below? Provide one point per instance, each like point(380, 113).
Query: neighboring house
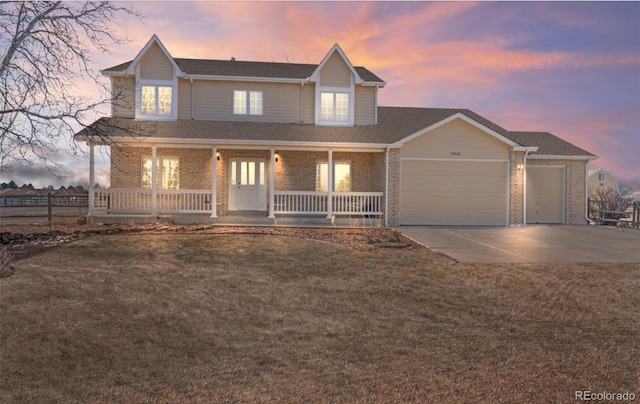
point(213, 139)
point(600, 181)
point(28, 196)
point(20, 196)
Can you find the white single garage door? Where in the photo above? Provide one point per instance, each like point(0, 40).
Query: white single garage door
point(545, 194)
point(442, 192)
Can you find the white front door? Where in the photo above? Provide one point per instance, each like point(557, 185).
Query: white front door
point(247, 185)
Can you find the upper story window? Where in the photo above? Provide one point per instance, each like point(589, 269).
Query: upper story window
point(600, 176)
point(156, 100)
point(247, 102)
point(334, 107)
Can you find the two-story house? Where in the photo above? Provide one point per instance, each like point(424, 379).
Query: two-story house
point(601, 182)
point(209, 140)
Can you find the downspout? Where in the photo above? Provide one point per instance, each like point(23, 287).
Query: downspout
point(386, 188)
point(301, 101)
point(586, 192)
point(375, 112)
point(302, 83)
point(192, 97)
point(524, 191)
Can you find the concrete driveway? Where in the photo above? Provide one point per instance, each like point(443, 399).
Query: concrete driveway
point(535, 243)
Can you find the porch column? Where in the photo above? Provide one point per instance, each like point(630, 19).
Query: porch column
point(214, 182)
point(330, 185)
point(92, 179)
point(272, 184)
point(154, 205)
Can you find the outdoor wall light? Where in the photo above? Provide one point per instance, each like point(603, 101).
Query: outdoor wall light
point(277, 156)
point(218, 156)
point(520, 166)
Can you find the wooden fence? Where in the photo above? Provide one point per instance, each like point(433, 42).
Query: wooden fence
point(617, 212)
point(43, 209)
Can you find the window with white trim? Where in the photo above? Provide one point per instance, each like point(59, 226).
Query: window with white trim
point(156, 100)
point(247, 102)
point(334, 107)
point(167, 172)
point(600, 176)
point(341, 176)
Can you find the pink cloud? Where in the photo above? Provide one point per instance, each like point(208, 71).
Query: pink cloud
point(422, 66)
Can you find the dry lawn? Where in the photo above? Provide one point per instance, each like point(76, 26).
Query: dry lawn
point(256, 318)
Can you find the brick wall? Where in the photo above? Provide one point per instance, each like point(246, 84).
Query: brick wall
point(126, 166)
point(575, 192)
point(516, 192)
point(296, 170)
point(393, 207)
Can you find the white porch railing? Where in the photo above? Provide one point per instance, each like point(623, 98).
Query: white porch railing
point(115, 200)
point(357, 203)
point(344, 203)
point(300, 202)
point(139, 201)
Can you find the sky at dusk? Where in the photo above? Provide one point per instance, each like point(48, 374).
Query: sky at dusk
point(569, 68)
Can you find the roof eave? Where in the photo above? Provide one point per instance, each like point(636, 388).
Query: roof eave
point(108, 73)
point(559, 157)
point(379, 84)
point(245, 78)
point(263, 144)
point(530, 149)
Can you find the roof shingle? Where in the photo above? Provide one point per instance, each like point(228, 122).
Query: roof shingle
point(394, 124)
point(236, 68)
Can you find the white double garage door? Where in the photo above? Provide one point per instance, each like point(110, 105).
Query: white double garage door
point(474, 193)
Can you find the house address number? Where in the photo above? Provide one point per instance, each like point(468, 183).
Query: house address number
point(455, 153)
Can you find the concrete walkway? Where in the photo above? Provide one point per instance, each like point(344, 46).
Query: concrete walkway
point(534, 243)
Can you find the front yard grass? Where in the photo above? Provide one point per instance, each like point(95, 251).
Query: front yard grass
point(254, 318)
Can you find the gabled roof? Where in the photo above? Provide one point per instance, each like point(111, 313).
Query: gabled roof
point(336, 49)
point(154, 40)
point(594, 171)
point(394, 124)
point(236, 68)
point(248, 69)
point(548, 144)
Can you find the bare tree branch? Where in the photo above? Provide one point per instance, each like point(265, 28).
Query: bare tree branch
point(46, 49)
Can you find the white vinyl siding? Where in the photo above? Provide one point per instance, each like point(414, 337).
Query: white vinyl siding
point(213, 101)
point(123, 92)
point(365, 105)
point(155, 65)
point(335, 73)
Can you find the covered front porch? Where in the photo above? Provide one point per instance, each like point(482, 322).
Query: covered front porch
point(241, 185)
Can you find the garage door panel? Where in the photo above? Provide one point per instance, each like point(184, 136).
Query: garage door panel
point(454, 217)
point(453, 192)
point(414, 200)
point(440, 200)
point(545, 196)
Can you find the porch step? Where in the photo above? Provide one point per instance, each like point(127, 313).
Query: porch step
point(243, 220)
